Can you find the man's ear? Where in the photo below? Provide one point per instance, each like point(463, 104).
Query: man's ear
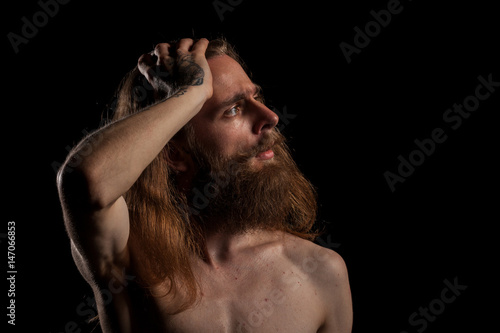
point(178, 157)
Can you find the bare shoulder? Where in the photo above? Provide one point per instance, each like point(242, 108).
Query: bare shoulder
point(323, 263)
point(327, 271)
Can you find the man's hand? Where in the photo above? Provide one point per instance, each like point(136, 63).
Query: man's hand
point(178, 67)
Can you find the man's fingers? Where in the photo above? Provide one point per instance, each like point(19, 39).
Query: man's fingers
point(161, 50)
point(184, 45)
point(165, 61)
point(158, 66)
point(145, 64)
point(200, 46)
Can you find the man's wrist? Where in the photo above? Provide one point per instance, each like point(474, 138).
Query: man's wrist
point(200, 92)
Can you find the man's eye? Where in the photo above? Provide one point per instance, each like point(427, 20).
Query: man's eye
point(232, 111)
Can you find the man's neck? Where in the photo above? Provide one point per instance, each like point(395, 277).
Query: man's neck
point(222, 248)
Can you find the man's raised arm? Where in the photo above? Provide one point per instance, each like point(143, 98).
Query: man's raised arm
point(91, 195)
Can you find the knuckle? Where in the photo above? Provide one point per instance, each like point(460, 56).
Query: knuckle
point(144, 60)
point(161, 49)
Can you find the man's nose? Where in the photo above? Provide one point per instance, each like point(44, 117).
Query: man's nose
point(265, 119)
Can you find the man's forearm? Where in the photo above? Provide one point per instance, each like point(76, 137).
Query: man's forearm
point(126, 147)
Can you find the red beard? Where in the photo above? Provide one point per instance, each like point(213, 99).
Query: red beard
point(230, 195)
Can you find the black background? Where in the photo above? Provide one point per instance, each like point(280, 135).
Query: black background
point(351, 122)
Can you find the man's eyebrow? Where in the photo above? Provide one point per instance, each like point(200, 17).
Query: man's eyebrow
point(256, 90)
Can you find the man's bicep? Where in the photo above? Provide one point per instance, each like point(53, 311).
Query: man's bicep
point(100, 238)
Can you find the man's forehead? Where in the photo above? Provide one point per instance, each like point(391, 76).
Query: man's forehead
point(229, 78)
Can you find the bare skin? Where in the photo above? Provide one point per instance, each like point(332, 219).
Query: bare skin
point(260, 281)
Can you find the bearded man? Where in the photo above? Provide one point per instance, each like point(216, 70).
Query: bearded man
point(191, 190)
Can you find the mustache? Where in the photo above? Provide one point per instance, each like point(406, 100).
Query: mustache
point(269, 140)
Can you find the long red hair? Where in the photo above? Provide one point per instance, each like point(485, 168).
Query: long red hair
point(159, 221)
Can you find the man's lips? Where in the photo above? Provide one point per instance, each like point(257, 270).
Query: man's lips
point(264, 151)
point(265, 155)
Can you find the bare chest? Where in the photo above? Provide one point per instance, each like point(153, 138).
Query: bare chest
point(277, 300)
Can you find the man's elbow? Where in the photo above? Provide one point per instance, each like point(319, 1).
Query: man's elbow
point(78, 186)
